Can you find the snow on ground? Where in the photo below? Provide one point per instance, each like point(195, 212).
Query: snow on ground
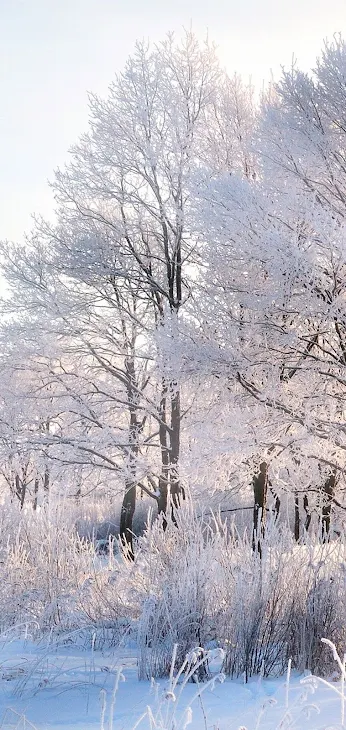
point(64, 687)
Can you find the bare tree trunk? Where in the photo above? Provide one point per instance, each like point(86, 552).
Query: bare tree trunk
point(277, 504)
point(328, 495)
point(79, 490)
point(296, 517)
point(176, 489)
point(22, 500)
point(17, 487)
point(307, 511)
point(46, 482)
point(165, 457)
point(36, 485)
point(128, 506)
point(20, 489)
point(126, 517)
point(260, 488)
point(169, 482)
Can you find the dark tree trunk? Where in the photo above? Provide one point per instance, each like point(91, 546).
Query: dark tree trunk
point(328, 495)
point(175, 447)
point(260, 488)
point(277, 504)
point(22, 500)
point(296, 518)
point(307, 511)
point(20, 489)
point(126, 517)
point(17, 487)
point(169, 433)
point(46, 482)
point(78, 492)
point(176, 490)
point(36, 485)
point(165, 458)
point(129, 500)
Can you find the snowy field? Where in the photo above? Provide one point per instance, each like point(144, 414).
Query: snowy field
point(72, 648)
point(69, 688)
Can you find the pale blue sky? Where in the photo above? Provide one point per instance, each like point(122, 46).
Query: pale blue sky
point(53, 51)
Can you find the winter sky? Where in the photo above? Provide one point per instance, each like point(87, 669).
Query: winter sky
point(53, 51)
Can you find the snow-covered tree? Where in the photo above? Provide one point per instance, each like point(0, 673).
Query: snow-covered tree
point(274, 303)
point(111, 278)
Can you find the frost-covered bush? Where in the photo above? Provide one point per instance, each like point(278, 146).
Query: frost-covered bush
point(50, 576)
point(259, 601)
point(43, 562)
point(279, 607)
point(320, 605)
point(174, 582)
point(197, 583)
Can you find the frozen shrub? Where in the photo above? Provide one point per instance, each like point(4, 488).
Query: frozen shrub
point(179, 597)
point(322, 610)
point(196, 584)
point(49, 575)
point(258, 606)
